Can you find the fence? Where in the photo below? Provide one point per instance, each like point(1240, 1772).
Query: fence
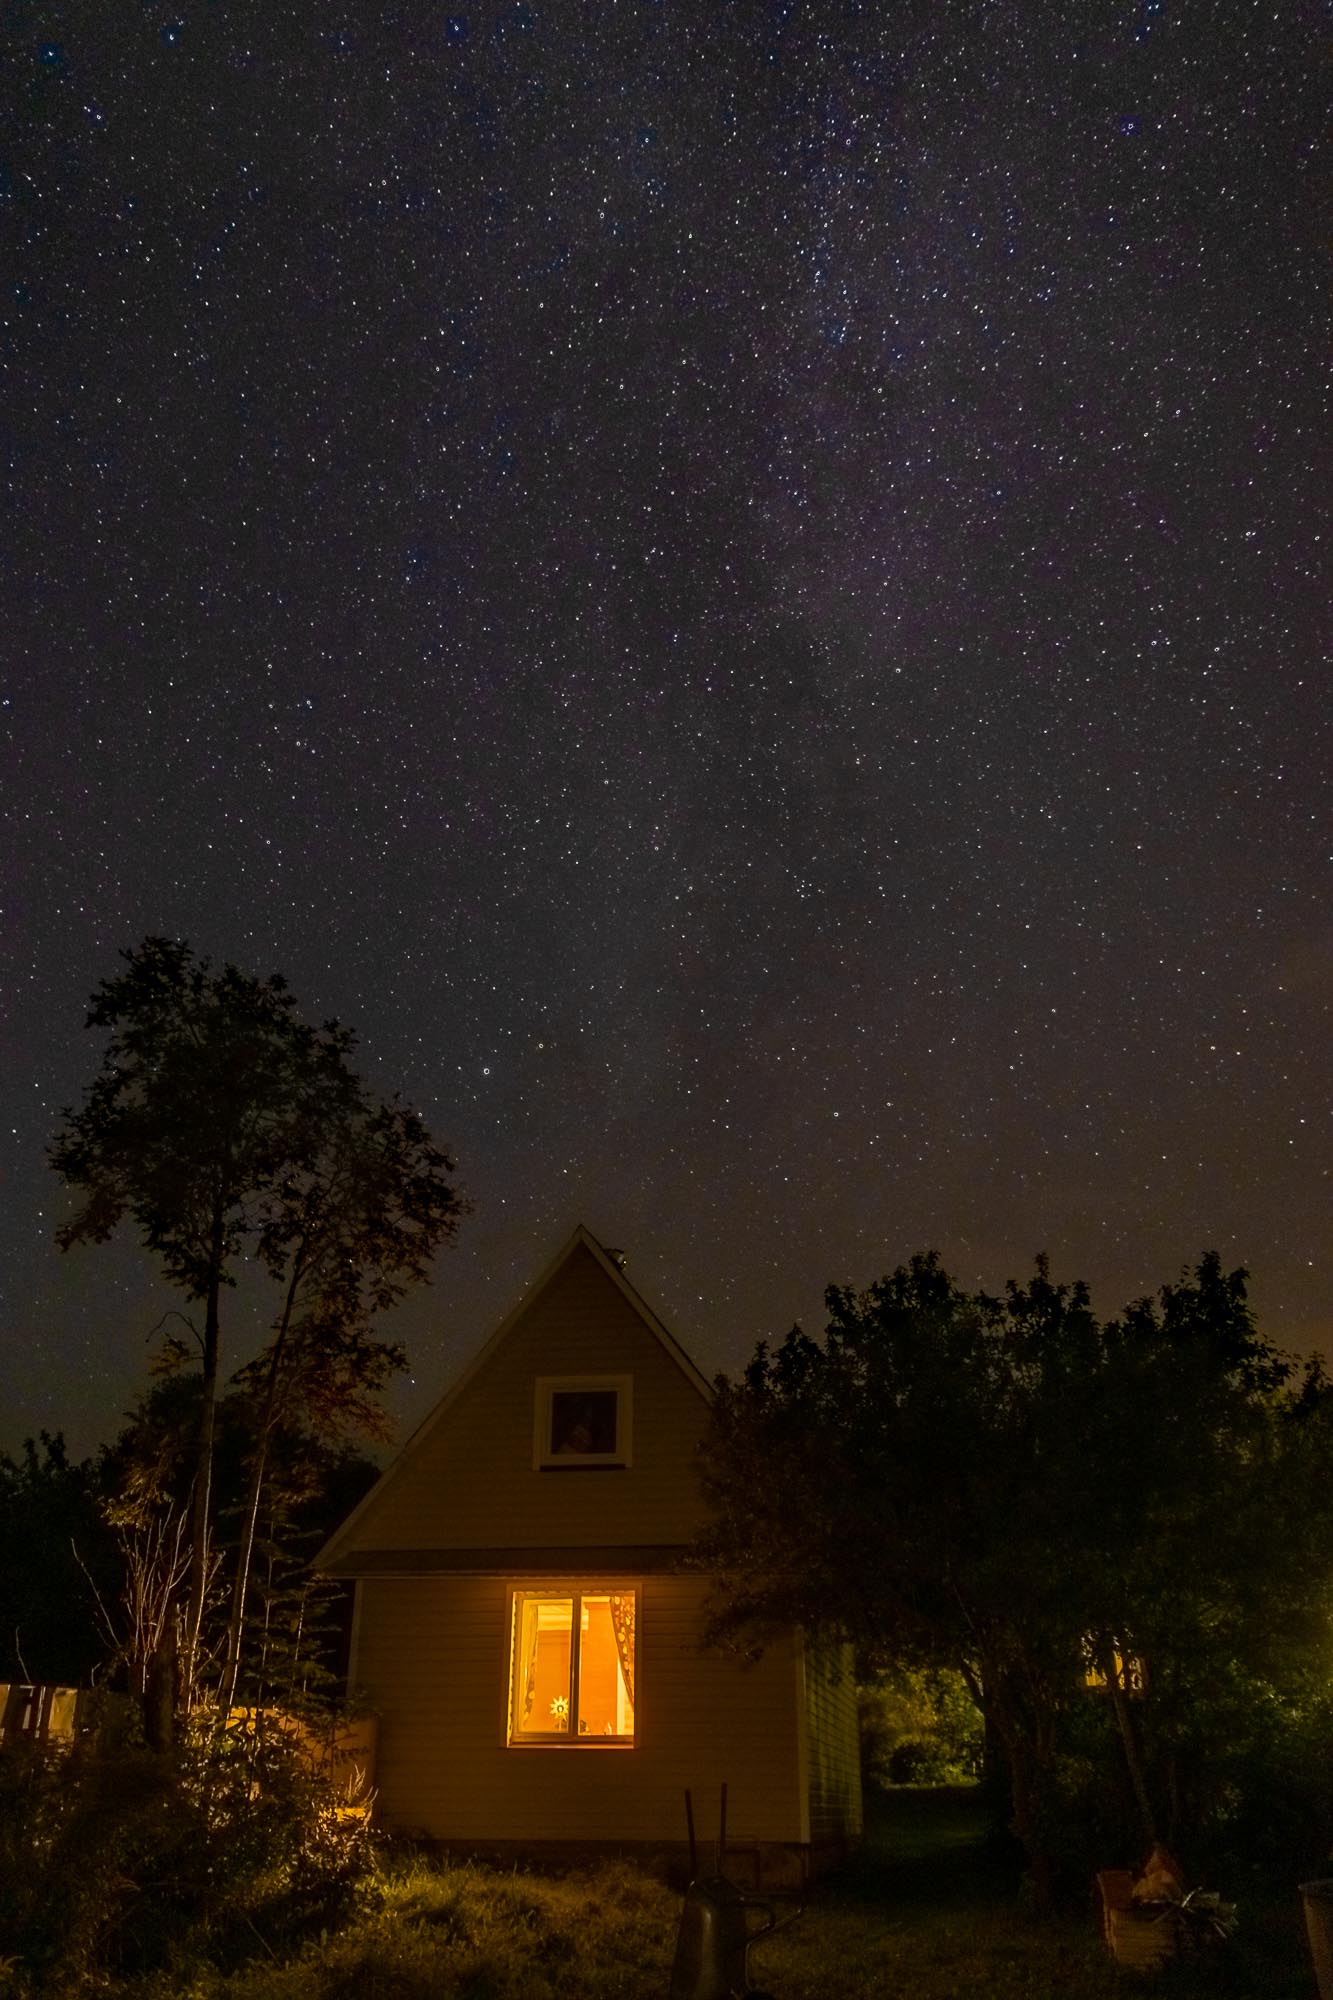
point(36, 1712)
point(342, 1752)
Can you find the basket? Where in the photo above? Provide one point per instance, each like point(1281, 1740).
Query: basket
point(1140, 1940)
point(1318, 1900)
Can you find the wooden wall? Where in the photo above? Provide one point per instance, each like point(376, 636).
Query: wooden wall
point(833, 1745)
point(468, 1480)
point(433, 1658)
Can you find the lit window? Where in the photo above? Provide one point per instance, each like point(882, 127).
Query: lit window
point(572, 1667)
point(1129, 1669)
point(582, 1421)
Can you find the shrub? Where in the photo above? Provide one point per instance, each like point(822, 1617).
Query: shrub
point(919, 1726)
point(125, 1862)
point(1267, 1814)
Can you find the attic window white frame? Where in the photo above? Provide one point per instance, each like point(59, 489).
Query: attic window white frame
point(544, 1459)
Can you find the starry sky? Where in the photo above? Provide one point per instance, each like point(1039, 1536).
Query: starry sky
point(737, 586)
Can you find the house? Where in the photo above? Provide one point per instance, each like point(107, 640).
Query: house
point(528, 1634)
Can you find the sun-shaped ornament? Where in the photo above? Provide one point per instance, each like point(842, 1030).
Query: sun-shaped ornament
point(560, 1707)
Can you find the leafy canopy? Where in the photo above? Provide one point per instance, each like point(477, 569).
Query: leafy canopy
point(224, 1127)
point(1011, 1488)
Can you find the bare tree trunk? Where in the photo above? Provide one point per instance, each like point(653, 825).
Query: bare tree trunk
point(203, 1477)
point(245, 1554)
point(1111, 1667)
point(161, 1692)
point(156, 1561)
point(258, 1470)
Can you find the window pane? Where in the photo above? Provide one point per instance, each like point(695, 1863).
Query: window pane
point(583, 1421)
point(606, 1665)
point(543, 1636)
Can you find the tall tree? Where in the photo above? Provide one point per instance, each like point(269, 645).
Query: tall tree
point(345, 1233)
point(207, 1126)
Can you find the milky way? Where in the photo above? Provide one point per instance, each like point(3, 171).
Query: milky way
point(739, 587)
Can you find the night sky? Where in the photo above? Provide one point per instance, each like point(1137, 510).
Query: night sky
point(737, 587)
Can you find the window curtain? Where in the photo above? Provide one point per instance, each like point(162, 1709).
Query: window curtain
point(527, 1663)
point(622, 1624)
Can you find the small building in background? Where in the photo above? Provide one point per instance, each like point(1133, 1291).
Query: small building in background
point(526, 1629)
point(57, 1717)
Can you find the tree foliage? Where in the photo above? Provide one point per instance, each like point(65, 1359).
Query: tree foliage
point(919, 1726)
point(124, 1871)
point(292, 1637)
point(1013, 1489)
point(225, 1128)
point(58, 1563)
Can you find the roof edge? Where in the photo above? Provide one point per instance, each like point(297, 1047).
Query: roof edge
point(567, 1559)
point(582, 1238)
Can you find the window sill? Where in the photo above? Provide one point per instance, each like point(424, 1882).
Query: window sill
point(583, 1465)
point(573, 1743)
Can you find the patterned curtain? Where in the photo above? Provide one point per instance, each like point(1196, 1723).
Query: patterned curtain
point(622, 1624)
point(527, 1661)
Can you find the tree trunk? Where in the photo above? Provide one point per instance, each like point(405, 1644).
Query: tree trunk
point(203, 1474)
point(1026, 1736)
point(1129, 1738)
point(1027, 1822)
point(245, 1554)
point(161, 1692)
point(1175, 1799)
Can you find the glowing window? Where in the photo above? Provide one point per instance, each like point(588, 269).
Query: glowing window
point(1129, 1670)
point(582, 1421)
point(572, 1667)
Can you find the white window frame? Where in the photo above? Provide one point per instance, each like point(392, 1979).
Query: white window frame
point(549, 1386)
point(575, 1589)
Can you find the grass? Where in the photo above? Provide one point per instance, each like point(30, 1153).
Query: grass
point(923, 1913)
point(926, 1911)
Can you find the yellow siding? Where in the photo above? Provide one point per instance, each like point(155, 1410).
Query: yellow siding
point(433, 1656)
point(833, 1747)
point(470, 1482)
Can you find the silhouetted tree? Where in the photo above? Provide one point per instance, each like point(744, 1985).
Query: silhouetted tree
point(58, 1562)
point(145, 1480)
point(345, 1233)
point(223, 1127)
point(1001, 1485)
point(292, 1648)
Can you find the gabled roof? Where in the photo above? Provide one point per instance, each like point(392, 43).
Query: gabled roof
point(582, 1239)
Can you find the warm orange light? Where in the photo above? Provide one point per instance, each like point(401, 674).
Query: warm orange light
point(573, 1657)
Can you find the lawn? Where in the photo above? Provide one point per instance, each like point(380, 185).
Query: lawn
point(923, 1913)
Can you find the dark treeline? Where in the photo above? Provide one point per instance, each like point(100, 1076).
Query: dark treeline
point(228, 1133)
point(1112, 1533)
point(1116, 1531)
point(94, 1551)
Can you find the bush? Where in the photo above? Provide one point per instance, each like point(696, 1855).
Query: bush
point(119, 1862)
point(1238, 1776)
point(920, 1726)
point(1266, 1816)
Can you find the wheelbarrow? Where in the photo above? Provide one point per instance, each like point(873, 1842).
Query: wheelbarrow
point(712, 1959)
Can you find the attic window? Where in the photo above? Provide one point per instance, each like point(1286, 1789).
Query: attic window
point(572, 1667)
point(582, 1422)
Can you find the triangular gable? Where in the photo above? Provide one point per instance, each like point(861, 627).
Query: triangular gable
point(582, 1239)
